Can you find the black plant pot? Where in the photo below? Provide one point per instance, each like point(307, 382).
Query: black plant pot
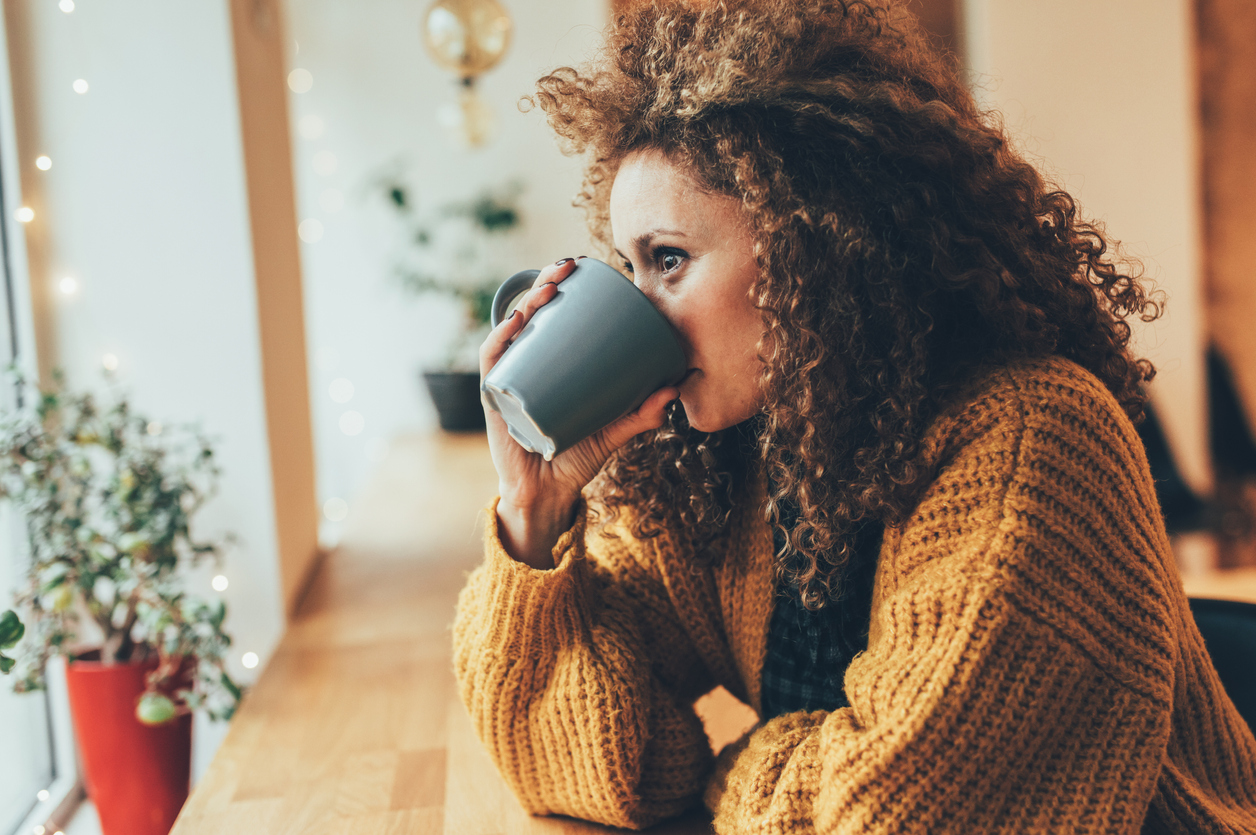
point(457, 398)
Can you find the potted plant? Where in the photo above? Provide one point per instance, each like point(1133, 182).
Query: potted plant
point(108, 497)
point(458, 250)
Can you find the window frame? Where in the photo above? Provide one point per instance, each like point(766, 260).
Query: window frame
point(66, 791)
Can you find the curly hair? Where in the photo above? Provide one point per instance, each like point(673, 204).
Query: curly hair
point(902, 243)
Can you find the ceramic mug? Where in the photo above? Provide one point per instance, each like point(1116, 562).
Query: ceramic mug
point(594, 353)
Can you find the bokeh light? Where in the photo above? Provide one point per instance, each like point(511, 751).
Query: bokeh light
point(310, 230)
point(352, 423)
point(325, 163)
point(311, 126)
point(300, 80)
point(341, 390)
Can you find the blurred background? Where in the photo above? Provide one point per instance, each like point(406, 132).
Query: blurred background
point(272, 217)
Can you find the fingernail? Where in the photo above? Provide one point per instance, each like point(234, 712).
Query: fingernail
point(561, 261)
point(513, 314)
point(582, 256)
point(549, 284)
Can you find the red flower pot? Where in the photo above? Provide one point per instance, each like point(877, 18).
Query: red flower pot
point(136, 774)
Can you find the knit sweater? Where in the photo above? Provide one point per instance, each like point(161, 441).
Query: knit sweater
point(1032, 665)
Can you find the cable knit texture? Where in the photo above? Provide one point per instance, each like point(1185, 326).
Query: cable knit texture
point(1032, 664)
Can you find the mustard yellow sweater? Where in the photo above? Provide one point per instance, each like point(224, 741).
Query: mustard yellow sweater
point(1032, 665)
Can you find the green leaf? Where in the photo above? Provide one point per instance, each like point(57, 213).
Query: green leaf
point(11, 630)
point(6, 663)
point(230, 686)
point(154, 709)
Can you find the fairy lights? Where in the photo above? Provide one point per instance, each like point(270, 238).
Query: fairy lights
point(340, 390)
point(310, 230)
point(336, 509)
point(352, 423)
point(300, 81)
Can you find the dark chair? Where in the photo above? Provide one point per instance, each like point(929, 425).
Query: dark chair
point(1229, 630)
point(1229, 433)
point(1184, 511)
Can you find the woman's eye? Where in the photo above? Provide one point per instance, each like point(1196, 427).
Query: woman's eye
point(669, 261)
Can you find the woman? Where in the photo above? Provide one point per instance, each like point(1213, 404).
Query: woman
point(897, 505)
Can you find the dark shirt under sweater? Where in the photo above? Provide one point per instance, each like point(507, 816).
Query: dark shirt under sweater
point(808, 651)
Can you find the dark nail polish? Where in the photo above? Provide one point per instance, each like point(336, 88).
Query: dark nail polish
point(561, 261)
point(549, 283)
point(582, 256)
point(512, 315)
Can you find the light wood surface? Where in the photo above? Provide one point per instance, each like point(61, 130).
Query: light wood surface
point(355, 726)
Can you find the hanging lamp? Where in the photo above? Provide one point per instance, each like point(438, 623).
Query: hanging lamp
point(467, 37)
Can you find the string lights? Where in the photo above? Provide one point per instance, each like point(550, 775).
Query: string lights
point(336, 509)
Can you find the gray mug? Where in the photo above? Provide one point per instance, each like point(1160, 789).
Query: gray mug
point(594, 353)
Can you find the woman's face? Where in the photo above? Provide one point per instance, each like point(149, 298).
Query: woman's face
point(691, 253)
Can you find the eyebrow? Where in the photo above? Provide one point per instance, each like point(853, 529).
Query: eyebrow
point(643, 240)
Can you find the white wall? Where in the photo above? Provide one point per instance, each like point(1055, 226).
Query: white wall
point(145, 205)
point(1103, 93)
point(377, 92)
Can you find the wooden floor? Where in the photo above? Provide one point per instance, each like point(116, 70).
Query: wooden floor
point(354, 726)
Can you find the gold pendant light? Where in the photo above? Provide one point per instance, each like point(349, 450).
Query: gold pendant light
point(467, 37)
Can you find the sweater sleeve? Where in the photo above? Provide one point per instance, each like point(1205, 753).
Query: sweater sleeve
point(1019, 670)
point(580, 681)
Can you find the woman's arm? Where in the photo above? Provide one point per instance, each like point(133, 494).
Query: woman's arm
point(580, 682)
point(1019, 672)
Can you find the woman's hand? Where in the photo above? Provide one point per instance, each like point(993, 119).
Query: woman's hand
point(538, 497)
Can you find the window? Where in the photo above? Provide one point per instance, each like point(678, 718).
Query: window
point(26, 765)
point(38, 771)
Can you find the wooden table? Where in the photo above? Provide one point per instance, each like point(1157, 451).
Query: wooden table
point(355, 726)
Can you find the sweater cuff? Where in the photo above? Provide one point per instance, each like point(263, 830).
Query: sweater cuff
point(539, 609)
point(569, 546)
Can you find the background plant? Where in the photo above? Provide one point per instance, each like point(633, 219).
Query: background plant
point(459, 249)
point(108, 496)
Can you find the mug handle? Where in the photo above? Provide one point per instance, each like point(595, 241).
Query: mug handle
point(509, 291)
